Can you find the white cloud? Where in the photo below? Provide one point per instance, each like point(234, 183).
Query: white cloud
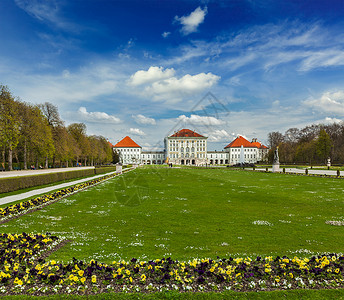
point(200, 120)
point(191, 22)
point(332, 120)
point(329, 102)
point(220, 135)
point(66, 87)
point(136, 131)
point(141, 119)
point(46, 11)
point(166, 34)
point(153, 74)
point(174, 88)
point(100, 117)
point(324, 58)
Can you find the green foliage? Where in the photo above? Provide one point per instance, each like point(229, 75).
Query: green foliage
point(9, 122)
point(323, 145)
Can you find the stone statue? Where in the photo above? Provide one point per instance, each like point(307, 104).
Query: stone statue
point(276, 158)
point(276, 164)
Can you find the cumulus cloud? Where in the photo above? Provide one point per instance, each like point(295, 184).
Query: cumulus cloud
point(177, 87)
point(162, 84)
point(332, 120)
point(191, 22)
point(329, 102)
point(97, 116)
point(141, 119)
point(153, 74)
point(220, 136)
point(200, 120)
point(136, 131)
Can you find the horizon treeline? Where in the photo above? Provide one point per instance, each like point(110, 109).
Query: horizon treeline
point(311, 145)
point(36, 136)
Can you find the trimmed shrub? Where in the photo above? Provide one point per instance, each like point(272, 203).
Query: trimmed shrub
point(102, 170)
point(23, 182)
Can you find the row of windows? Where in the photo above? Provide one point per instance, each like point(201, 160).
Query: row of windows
point(245, 156)
point(187, 142)
point(187, 155)
point(153, 155)
point(128, 150)
point(245, 149)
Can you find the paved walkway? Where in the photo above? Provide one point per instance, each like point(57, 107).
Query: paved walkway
point(32, 193)
point(40, 171)
point(302, 171)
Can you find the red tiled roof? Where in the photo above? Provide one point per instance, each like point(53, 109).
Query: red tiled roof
point(110, 144)
point(259, 145)
point(240, 141)
point(127, 142)
point(186, 133)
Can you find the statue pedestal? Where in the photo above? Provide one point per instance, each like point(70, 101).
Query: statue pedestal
point(275, 168)
point(118, 168)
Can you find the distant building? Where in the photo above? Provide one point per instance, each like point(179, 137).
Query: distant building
point(129, 152)
point(187, 147)
point(253, 152)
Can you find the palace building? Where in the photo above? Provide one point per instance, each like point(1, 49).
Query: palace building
point(187, 147)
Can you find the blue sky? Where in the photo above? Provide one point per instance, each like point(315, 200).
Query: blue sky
point(147, 68)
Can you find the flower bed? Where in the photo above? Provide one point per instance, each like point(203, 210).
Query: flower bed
point(24, 272)
point(21, 208)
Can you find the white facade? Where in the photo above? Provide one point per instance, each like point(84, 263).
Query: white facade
point(153, 157)
point(250, 155)
point(187, 147)
point(217, 157)
point(129, 155)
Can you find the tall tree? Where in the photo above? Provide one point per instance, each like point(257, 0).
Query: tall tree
point(51, 113)
point(78, 132)
point(9, 122)
point(323, 145)
point(274, 139)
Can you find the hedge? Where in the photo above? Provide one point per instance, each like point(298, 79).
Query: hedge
point(102, 170)
point(22, 182)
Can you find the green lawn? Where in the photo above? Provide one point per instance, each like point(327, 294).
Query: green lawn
point(184, 213)
point(291, 295)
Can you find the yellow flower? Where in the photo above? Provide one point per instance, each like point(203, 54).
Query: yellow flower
point(291, 275)
point(81, 273)
point(143, 277)
point(130, 279)
point(18, 281)
point(337, 270)
point(94, 278)
point(83, 279)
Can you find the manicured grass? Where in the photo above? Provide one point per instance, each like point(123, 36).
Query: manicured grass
point(294, 294)
point(184, 213)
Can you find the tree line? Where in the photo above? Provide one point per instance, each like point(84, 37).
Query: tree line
point(35, 136)
point(312, 144)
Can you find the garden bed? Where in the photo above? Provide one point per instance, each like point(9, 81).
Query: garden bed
point(25, 271)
